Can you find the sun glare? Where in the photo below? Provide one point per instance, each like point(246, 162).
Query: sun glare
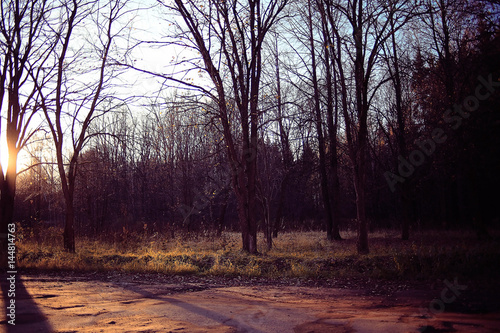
point(4, 157)
point(23, 159)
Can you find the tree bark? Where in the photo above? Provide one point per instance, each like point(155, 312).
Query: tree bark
point(332, 122)
point(362, 137)
point(286, 153)
point(20, 32)
point(7, 199)
point(69, 229)
point(279, 212)
point(319, 130)
point(239, 30)
point(401, 133)
point(80, 135)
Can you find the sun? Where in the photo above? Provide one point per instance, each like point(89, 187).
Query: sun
point(4, 156)
point(23, 158)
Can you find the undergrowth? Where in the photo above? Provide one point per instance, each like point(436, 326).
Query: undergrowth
point(427, 256)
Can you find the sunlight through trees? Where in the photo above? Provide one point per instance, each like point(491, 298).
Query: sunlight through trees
point(196, 117)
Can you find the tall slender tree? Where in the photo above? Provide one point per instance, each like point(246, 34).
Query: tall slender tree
point(24, 49)
point(229, 37)
point(82, 103)
point(319, 127)
point(369, 28)
point(332, 111)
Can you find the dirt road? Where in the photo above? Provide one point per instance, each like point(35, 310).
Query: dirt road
point(142, 304)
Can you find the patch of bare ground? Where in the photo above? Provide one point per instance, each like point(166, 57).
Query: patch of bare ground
point(124, 302)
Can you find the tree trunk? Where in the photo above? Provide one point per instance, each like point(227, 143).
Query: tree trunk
point(332, 122)
point(401, 137)
point(69, 226)
point(6, 214)
point(69, 230)
point(244, 67)
point(359, 186)
point(247, 226)
point(267, 223)
point(285, 150)
point(251, 238)
point(244, 188)
point(362, 142)
point(335, 200)
point(222, 215)
point(8, 193)
point(321, 141)
point(279, 212)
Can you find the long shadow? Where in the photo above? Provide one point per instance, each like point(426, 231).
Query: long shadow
point(210, 314)
point(27, 315)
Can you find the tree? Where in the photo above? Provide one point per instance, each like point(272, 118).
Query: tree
point(315, 83)
point(284, 138)
point(319, 129)
point(452, 57)
point(229, 37)
point(369, 28)
point(332, 110)
point(24, 49)
point(70, 96)
point(401, 107)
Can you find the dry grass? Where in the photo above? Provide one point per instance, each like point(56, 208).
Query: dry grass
point(304, 255)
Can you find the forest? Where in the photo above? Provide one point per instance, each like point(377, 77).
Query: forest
point(258, 117)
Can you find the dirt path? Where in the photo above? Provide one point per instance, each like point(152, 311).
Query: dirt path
point(134, 304)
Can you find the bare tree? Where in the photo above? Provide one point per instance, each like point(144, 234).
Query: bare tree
point(369, 28)
point(66, 95)
point(401, 107)
point(315, 82)
point(332, 110)
point(229, 37)
point(319, 127)
point(284, 136)
point(24, 47)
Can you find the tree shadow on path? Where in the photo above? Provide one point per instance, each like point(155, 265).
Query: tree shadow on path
point(26, 315)
point(194, 309)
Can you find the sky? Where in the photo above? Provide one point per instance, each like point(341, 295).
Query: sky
point(144, 25)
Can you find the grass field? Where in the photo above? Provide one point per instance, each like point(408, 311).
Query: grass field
point(308, 255)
